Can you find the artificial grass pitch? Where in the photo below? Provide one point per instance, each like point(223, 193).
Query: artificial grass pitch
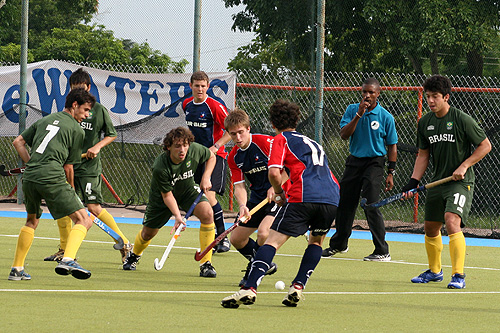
point(344, 293)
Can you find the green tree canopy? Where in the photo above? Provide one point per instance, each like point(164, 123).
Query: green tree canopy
point(58, 29)
point(451, 36)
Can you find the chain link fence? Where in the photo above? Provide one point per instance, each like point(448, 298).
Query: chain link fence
point(127, 166)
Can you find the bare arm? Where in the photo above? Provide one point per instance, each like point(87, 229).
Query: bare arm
point(171, 203)
point(392, 155)
point(347, 130)
point(70, 174)
point(481, 150)
point(276, 181)
point(205, 183)
point(421, 164)
point(20, 145)
point(221, 142)
point(240, 192)
point(93, 151)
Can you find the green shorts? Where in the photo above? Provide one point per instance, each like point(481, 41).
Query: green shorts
point(89, 188)
point(61, 199)
point(157, 217)
point(454, 197)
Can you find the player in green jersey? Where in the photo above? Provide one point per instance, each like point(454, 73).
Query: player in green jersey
point(56, 141)
point(173, 186)
point(445, 137)
point(88, 173)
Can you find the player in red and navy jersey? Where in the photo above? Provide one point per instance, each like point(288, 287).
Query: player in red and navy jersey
point(248, 159)
point(205, 118)
point(312, 204)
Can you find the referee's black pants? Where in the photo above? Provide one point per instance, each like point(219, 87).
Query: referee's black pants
point(362, 176)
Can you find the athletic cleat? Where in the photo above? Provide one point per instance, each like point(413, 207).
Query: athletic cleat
point(294, 295)
point(56, 256)
point(125, 251)
point(131, 261)
point(18, 275)
point(378, 257)
point(273, 269)
point(328, 252)
point(223, 246)
point(457, 281)
point(73, 268)
point(428, 276)
point(243, 296)
point(207, 270)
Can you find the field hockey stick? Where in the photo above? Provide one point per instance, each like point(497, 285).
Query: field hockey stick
point(10, 172)
point(119, 245)
point(158, 264)
point(199, 255)
point(399, 196)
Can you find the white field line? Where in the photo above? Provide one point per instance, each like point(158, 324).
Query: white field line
point(279, 254)
point(376, 293)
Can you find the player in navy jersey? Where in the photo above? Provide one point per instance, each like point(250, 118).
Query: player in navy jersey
point(205, 118)
point(312, 204)
point(248, 159)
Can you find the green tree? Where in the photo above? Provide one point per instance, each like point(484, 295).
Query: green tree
point(58, 29)
point(371, 35)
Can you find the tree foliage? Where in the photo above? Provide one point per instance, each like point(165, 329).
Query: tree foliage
point(58, 29)
point(451, 36)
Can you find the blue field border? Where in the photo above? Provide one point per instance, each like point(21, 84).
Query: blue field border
point(356, 234)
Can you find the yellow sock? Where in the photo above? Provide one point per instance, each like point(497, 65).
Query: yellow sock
point(434, 247)
point(108, 219)
point(64, 225)
point(207, 236)
point(75, 239)
point(457, 253)
point(140, 244)
point(24, 242)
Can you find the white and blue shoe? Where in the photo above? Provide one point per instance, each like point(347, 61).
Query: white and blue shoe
point(457, 281)
point(428, 276)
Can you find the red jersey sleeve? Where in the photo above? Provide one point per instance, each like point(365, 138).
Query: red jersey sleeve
point(237, 175)
point(277, 155)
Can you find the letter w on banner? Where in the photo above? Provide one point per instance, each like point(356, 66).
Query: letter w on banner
point(141, 106)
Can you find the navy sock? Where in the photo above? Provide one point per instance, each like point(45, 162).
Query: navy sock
point(310, 260)
point(248, 251)
point(260, 265)
point(218, 219)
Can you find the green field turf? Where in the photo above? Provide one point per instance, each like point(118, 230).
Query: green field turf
point(344, 293)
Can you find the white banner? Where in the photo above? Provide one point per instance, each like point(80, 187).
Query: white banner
point(142, 106)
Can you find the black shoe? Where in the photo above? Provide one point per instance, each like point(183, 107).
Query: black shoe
point(56, 256)
point(131, 261)
point(328, 252)
point(223, 246)
point(73, 268)
point(207, 270)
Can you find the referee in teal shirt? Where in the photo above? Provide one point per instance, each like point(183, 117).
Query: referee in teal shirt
point(372, 135)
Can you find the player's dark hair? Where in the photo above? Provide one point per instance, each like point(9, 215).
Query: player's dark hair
point(79, 77)
point(199, 76)
point(371, 81)
point(81, 96)
point(284, 114)
point(237, 117)
point(182, 133)
point(438, 83)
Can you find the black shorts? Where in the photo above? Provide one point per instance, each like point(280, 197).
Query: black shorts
point(218, 177)
point(296, 218)
point(269, 209)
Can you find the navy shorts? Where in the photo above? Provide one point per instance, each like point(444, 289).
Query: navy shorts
point(296, 218)
point(269, 209)
point(218, 178)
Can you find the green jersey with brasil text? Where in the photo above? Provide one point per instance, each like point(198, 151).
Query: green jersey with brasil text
point(95, 125)
point(55, 140)
point(168, 176)
point(449, 140)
